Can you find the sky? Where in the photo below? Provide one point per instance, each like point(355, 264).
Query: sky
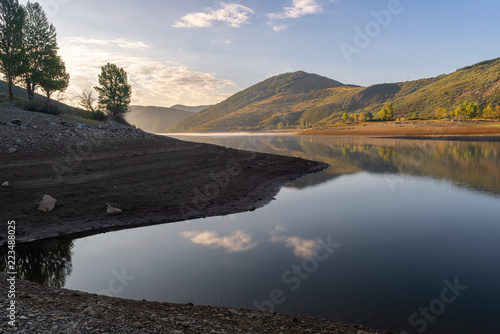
point(198, 52)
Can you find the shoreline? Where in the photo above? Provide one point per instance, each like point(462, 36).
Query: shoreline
point(152, 179)
point(414, 130)
point(53, 310)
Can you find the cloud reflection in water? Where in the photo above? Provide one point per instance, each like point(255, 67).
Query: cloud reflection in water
point(237, 242)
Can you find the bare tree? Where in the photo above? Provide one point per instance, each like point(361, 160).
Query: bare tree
point(87, 100)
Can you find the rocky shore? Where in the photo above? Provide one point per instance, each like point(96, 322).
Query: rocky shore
point(41, 309)
point(64, 176)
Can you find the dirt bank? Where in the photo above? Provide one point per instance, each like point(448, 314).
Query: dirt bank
point(152, 179)
point(482, 130)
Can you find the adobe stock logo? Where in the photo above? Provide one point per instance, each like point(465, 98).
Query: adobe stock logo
point(363, 37)
point(52, 7)
point(420, 320)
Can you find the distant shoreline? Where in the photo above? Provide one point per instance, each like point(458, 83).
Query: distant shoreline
point(416, 130)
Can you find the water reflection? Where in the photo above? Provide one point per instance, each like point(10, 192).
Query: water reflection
point(473, 165)
point(237, 242)
point(403, 212)
point(302, 248)
point(49, 264)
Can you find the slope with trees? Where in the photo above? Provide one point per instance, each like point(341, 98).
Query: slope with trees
point(28, 50)
point(299, 98)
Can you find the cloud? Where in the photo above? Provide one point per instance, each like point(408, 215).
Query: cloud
point(238, 242)
point(154, 82)
point(123, 43)
point(300, 8)
point(233, 14)
point(279, 27)
point(303, 248)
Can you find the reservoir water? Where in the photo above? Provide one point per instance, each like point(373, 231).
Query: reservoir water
point(398, 235)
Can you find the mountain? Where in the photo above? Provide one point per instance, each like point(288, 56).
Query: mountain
point(293, 98)
point(159, 119)
point(262, 104)
point(190, 109)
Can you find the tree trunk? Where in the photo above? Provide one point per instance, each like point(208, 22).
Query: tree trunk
point(48, 98)
point(29, 89)
point(11, 92)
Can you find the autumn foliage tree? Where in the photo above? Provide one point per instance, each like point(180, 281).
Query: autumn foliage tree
point(387, 113)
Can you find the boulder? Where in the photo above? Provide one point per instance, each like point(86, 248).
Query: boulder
point(113, 211)
point(47, 204)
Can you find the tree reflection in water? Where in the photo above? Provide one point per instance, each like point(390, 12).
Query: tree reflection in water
point(49, 265)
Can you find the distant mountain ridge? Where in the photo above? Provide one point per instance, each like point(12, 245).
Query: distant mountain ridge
point(159, 119)
point(297, 97)
point(190, 109)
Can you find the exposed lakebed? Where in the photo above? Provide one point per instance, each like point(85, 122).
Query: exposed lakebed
point(375, 239)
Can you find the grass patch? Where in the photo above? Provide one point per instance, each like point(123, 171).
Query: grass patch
point(80, 120)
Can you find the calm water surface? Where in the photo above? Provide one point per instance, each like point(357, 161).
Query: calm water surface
point(396, 235)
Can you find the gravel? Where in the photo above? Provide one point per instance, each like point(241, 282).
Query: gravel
point(41, 309)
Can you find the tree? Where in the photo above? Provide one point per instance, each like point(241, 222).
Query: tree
point(114, 91)
point(496, 112)
point(441, 112)
point(87, 100)
point(40, 43)
point(470, 110)
point(55, 77)
point(387, 112)
point(489, 112)
point(12, 16)
point(345, 117)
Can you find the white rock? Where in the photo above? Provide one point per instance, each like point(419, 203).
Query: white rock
point(5, 184)
point(47, 204)
point(113, 211)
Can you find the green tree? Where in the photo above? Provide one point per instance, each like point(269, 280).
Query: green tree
point(469, 109)
point(114, 90)
point(40, 42)
point(12, 17)
point(281, 125)
point(345, 117)
point(387, 112)
point(55, 77)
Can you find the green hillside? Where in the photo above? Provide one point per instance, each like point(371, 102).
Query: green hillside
point(299, 97)
point(243, 109)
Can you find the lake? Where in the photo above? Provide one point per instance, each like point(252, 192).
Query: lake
point(399, 235)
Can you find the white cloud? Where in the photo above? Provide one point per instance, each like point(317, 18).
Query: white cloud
point(300, 8)
point(233, 14)
point(238, 242)
point(123, 43)
point(153, 81)
point(279, 27)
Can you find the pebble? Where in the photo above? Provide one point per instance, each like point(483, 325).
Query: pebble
point(6, 184)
